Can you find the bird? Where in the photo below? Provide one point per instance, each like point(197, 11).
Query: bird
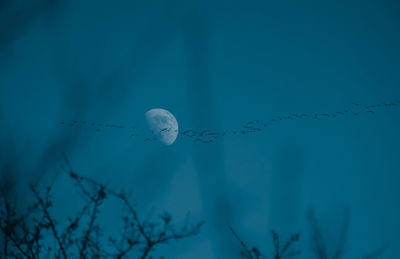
point(165, 129)
point(202, 132)
point(212, 134)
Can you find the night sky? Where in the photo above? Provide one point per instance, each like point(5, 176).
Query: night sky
point(69, 68)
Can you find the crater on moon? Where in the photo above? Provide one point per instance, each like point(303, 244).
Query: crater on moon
point(163, 124)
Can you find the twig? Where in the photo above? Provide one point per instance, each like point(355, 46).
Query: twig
point(44, 207)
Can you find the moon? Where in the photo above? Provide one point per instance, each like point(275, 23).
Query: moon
point(163, 124)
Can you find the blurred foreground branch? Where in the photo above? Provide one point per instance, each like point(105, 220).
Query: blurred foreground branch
point(319, 245)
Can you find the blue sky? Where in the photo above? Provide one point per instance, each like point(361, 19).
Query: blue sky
point(214, 65)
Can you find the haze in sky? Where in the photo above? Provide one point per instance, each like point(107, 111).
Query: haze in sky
point(282, 106)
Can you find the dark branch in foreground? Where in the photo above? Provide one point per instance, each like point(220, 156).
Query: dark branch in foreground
point(319, 246)
point(35, 233)
point(282, 250)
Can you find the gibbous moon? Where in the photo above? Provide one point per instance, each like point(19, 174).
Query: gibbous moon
point(163, 124)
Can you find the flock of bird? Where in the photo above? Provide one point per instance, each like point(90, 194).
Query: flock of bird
point(250, 127)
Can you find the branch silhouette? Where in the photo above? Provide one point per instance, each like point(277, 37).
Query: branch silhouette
point(36, 233)
point(281, 250)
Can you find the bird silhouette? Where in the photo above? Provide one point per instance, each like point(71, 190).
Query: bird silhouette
point(251, 126)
